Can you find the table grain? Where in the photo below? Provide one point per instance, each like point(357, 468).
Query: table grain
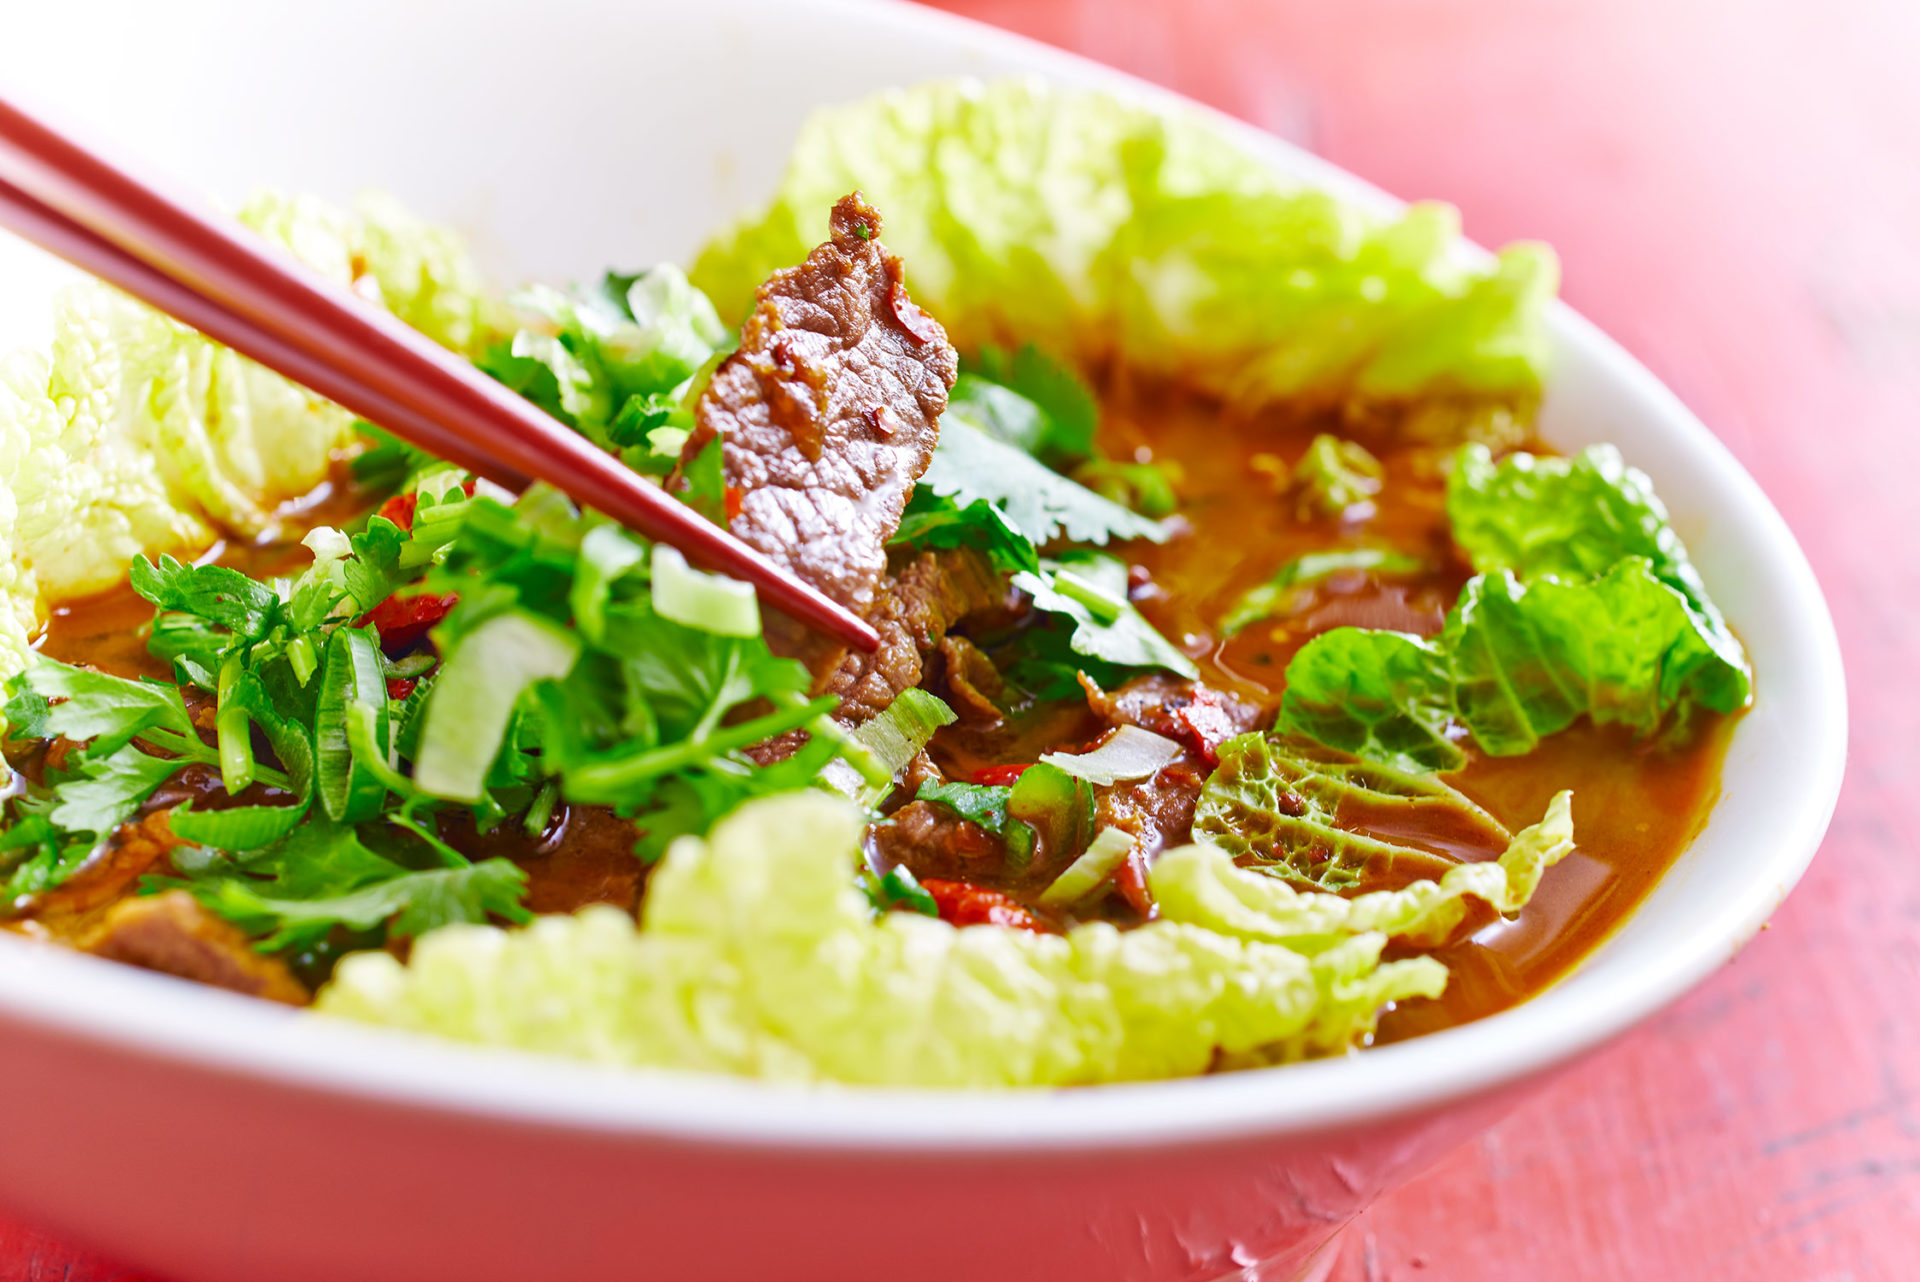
point(1734, 189)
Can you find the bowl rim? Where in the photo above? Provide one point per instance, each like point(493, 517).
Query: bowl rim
point(118, 1008)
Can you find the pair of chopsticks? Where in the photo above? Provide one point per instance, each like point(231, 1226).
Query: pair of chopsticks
point(224, 282)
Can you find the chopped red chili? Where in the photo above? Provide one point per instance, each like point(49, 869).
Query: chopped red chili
point(399, 509)
point(1130, 879)
point(962, 903)
point(999, 774)
point(404, 621)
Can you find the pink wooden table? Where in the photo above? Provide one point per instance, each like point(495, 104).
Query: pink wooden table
point(1735, 191)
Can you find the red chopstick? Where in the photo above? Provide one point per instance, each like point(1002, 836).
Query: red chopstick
point(236, 290)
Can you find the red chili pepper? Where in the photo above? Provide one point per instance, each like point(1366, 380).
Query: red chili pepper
point(962, 903)
point(1130, 879)
point(1002, 775)
point(399, 509)
point(401, 687)
point(404, 621)
point(1205, 724)
point(734, 500)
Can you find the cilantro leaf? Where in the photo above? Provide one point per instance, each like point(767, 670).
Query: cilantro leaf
point(218, 594)
point(934, 521)
point(321, 876)
point(104, 791)
point(1090, 588)
point(1064, 406)
point(969, 464)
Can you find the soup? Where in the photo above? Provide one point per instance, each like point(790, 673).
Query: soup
point(1209, 729)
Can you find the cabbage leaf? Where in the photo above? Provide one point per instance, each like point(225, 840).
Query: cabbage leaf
point(1104, 231)
point(1573, 518)
point(138, 435)
point(758, 954)
point(1514, 663)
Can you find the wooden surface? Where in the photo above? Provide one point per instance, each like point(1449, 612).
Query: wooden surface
point(1735, 191)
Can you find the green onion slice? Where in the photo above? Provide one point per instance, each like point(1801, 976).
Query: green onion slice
point(1085, 875)
point(890, 741)
point(710, 602)
point(349, 791)
point(473, 698)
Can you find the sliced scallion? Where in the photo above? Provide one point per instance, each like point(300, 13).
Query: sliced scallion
point(710, 602)
point(1084, 875)
point(473, 698)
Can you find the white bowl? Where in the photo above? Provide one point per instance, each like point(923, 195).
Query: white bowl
point(206, 1136)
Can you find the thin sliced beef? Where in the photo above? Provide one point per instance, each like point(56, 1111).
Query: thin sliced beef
point(1196, 715)
point(921, 600)
point(828, 412)
point(975, 689)
point(932, 841)
point(173, 934)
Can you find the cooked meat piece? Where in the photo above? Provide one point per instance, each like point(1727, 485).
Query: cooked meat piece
point(1158, 811)
point(1196, 715)
point(974, 685)
point(584, 856)
point(828, 412)
point(964, 904)
point(920, 602)
point(932, 841)
point(69, 909)
point(173, 934)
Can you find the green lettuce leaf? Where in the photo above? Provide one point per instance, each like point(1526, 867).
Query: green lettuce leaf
point(1573, 518)
point(1106, 232)
point(758, 954)
point(1513, 664)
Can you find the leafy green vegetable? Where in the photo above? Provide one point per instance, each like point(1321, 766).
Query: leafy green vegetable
point(1147, 488)
point(295, 891)
point(622, 363)
point(1298, 813)
point(238, 828)
point(137, 435)
point(1573, 518)
point(1287, 590)
point(1200, 884)
point(758, 954)
point(898, 888)
point(1113, 233)
point(931, 521)
point(1337, 479)
point(985, 804)
point(970, 465)
point(1058, 414)
point(1090, 588)
point(1513, 664)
